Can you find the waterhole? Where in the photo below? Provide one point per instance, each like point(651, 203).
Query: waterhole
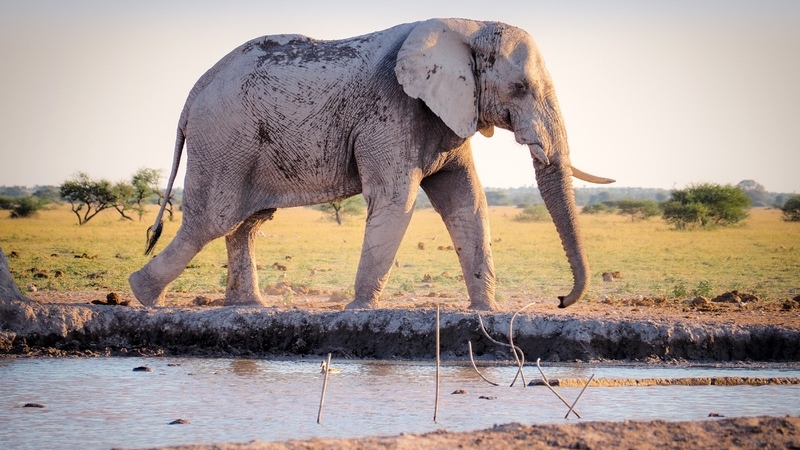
point(105, 403)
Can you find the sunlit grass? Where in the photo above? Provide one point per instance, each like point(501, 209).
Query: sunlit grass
point(762, 256)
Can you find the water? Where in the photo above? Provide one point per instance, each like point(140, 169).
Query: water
point(102, 403)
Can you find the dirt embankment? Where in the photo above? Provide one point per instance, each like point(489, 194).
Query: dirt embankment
point(757, 432)
point(40, 328)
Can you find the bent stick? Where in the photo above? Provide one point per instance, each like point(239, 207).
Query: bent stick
point(472, 360)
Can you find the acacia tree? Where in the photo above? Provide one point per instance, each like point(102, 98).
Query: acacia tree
point(706, 205)
point(87, 197)
point(352, 206)
point(638, 209)
point(145, 184)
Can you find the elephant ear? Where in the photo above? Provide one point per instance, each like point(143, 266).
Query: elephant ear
point(435, 65)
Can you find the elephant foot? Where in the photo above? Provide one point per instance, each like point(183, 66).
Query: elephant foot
point(483, 305)
point(363, 304)
point(145, 289)
point(253, 299)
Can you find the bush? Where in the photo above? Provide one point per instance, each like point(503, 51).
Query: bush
point(596, 208)
point(706, 205)
point(791, 209)
point(638, 209)
point(25, 207)
point(533, 213)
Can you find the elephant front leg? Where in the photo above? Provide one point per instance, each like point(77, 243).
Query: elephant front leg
point(386, 225)
point(242, 287)
point(458, 197)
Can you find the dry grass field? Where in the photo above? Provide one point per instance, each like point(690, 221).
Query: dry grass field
point(762, 256)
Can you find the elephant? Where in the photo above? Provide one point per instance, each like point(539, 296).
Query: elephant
point(287, 120)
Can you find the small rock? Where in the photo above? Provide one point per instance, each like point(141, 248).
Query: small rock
point(32, 288)
point(13, 254)
point(113, 298)
point(33, 405)
point(142, 369)
point(179, 422)
point(421, 245)
point(461, 392)
point(59, 273)
point(484, 397)
point(728, 297)
point(713, 414)
point(700, 302)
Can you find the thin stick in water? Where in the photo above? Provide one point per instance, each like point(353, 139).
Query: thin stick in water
point(436, 403)
point(547, 383)
point(472, 360)
point(324, 387)
point(571, 408)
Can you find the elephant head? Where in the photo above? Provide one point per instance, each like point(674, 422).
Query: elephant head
point(478, 75)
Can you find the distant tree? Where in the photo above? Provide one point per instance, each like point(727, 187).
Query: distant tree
point(638, 209)
point(352, 206)
point(14, 191)
point(533, 213)
point(600, 208)
point(87, 197)
point(145, 184)
point(125, 197)
point(496, 197)
point(48, 194)
point(706, 205)
point(757, 193)
point(791, 209)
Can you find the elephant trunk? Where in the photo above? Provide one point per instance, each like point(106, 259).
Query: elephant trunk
point(555, 185)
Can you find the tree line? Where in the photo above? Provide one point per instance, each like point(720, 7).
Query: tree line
point(702, 205)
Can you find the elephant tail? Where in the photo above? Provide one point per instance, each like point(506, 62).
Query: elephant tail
point(154, 232)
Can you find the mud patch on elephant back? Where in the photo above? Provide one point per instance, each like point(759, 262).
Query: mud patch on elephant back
point(263, 134)
point(302, 49)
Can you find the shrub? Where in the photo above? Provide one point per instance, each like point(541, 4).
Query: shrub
point(791, 209)
point(596, 208)
point(638, 209)
point(25, 207)
point(706, 205)
point(533, 213)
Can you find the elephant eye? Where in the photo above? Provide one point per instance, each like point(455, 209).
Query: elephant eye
point(519, 89)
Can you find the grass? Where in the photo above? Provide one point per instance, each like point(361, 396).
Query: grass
point(762, 256)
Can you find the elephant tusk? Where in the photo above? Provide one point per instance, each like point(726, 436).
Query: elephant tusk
point(537, 152)
point(581, 175)
point(488, 131)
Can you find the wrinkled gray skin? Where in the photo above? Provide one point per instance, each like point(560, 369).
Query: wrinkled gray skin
point(287, 120)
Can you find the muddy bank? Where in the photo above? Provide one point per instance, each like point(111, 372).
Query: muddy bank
point(756, 432)
point(28, 327)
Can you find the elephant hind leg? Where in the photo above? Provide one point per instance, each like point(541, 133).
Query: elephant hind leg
point(242, 288)
point(150, 283)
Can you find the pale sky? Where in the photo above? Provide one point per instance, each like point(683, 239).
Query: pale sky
point(654, 94)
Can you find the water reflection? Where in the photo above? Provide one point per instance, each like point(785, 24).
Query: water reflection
point(245, 367)
point(102, 403)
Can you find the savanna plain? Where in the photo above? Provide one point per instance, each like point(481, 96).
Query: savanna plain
point(308, 261)
point(304, 256)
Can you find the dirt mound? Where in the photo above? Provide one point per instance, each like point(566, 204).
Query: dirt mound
point(756, 432)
